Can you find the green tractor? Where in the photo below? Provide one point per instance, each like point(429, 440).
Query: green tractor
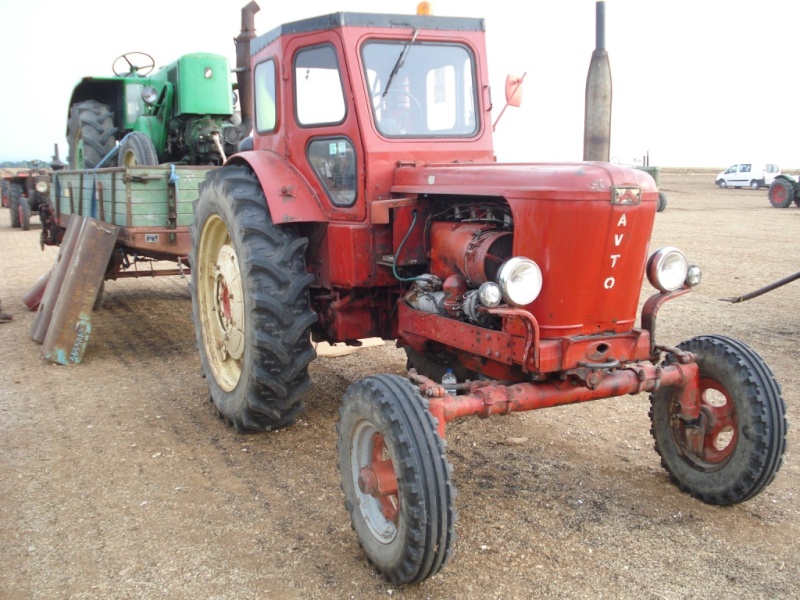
point(181, 113)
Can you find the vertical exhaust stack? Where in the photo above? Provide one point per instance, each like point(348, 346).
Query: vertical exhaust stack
point(597, 123)
point(244, 77)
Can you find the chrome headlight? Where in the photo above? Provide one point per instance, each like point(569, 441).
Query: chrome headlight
point(520, 281)
point(489, 294)
point(667, 269)
point(149, 94)
point(42, 187)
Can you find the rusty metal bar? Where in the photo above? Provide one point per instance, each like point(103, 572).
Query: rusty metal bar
point(71, 323)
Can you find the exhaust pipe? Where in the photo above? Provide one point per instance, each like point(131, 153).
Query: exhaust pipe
point(597, 123)
point(244, 77)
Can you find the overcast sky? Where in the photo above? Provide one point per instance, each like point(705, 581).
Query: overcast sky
point(695, 82)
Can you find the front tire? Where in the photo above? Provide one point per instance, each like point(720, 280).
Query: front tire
point(781, 193)
point(24, 212)
point(396, 479)
point(15, 200)
point(250, 303)
point(741, 428)
point(91, 134)
point(137, 149)
point(722, 183)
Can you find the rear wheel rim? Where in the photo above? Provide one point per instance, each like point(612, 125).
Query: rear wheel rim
point(221, 301)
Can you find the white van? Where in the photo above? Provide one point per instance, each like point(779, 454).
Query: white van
point(752, 175)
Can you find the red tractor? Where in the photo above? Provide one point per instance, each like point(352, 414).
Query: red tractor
point(369, 203)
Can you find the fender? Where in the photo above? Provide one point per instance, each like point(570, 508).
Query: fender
point(290, 198)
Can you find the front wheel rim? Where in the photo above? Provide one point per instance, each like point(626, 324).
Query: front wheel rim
point(718, 423)
point(379, 512)
point(221, 303)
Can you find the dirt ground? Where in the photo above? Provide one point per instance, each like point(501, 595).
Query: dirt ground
point(120, 481)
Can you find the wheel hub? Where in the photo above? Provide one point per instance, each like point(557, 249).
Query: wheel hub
point(229, 304)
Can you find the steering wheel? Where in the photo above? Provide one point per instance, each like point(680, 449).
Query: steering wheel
point(138, 64)
point(399, 119)
point(37, 164)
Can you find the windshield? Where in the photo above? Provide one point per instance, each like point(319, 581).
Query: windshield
point(429, 93)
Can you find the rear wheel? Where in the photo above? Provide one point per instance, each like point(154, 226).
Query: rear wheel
point(90, 134)
point(735, 448)
point(250, 303)
point(137, 149)
point(781, 193)
point(396, 479)
point(15, 200)
point(755, 184)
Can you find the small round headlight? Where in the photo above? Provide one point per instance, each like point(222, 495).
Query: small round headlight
point(489, 294)
point(667, 269)
point(149, 94)
point(42, 187)
point(693, 276)
point(520, 281)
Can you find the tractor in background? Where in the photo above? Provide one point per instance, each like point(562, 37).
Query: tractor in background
point(181, 113)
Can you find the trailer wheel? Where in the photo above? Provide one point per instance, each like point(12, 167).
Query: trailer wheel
point(396, 478)
point(24, 212)
point(90, 134)
point(137, 149)
point(250, 303)
point(741, 428)
point(781, 193)
point(15, 200)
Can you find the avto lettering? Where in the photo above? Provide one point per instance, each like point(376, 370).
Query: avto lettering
point(618, 237)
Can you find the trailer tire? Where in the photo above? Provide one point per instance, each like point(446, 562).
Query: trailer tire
point(250, 303)
point(781, 193)
point(91, 134)
point(24, 212)
point(742, 422)
point(16, 198)
point(408, 530)
point(137, 149)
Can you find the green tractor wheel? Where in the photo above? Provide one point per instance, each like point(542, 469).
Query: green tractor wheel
point(137, 149)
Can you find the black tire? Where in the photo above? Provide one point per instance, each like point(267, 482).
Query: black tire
point(743, 424)
point(781, 193)
point(409, 534)
point(24, 212)
point(722, 183)
point(755, 184)
point(15, 199)
point(662, 202)
point(250, 303)
point(4, 193)
point(91, 134)
point(137, 149)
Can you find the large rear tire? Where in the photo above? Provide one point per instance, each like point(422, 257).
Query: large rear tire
point(250, 303)
point(781, 193)
point(15, 200)
point(735, 448)
point(396, 478)
point(137, 149)
point(91, 134)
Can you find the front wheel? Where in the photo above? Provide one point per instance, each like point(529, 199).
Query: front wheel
point(137, 149)
point(722, 183)
point(396, 479)
point(16, 199)
point(781, 193)
point(735, 448)
point(24, 214)
point(250, 303)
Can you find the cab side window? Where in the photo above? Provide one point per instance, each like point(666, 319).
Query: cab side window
point(264, 79)
point(333, 160)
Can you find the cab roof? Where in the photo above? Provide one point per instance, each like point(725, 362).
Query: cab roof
point(368, 20)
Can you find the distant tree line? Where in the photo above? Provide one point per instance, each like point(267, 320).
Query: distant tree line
point(16, 164)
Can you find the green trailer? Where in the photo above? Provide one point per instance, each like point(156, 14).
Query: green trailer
point(151, 205)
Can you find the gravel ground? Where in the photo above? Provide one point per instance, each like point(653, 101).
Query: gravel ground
point(120, 481)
